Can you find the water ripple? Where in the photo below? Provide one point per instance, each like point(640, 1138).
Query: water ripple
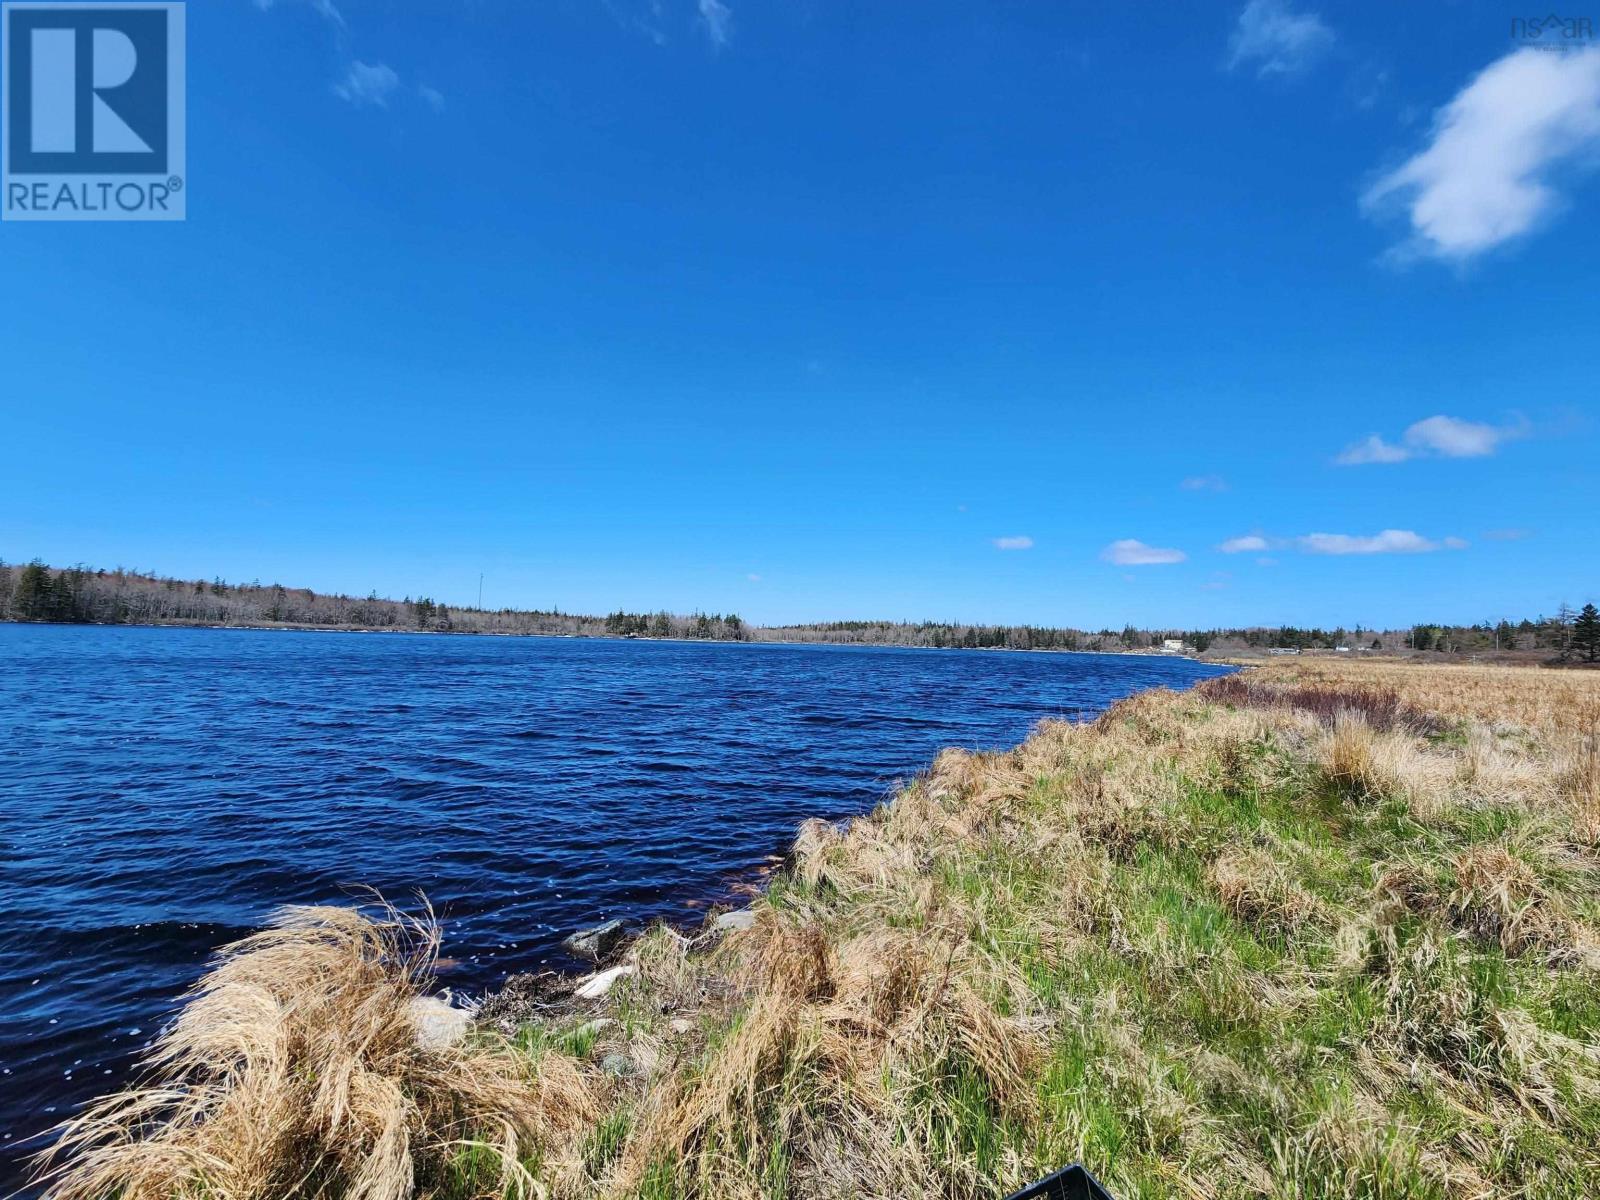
point(165, 789)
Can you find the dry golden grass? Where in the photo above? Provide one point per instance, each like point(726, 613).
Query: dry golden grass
point(1537, 698)
point(295, 1070)
point(1332, 933)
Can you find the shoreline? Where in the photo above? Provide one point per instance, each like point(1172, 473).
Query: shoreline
point(1114, 942)
point(1142, 652)
point(1224, 657)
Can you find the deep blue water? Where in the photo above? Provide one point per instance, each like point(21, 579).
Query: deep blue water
point(161, 790)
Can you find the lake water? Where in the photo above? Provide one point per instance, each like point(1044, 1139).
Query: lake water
point(161, 790)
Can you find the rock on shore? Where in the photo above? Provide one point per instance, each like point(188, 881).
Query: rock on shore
point(597, 943)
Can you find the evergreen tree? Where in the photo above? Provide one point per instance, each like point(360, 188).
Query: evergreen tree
point(1586, 634)
point(32, 599)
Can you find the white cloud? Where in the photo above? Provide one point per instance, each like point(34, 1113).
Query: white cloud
point(365, 84)
point(1019, 542)
point(1455, 438)
point(1277, 39)
point(1389, 541)
point(753, 577)
point(1204, 483)
point(1432, 437)
point(1508, 535)
point(717, 18)
point(1371, 449)
point(1484, 177)
point(1242, 545)
point(432, 97)
point(1130, 552)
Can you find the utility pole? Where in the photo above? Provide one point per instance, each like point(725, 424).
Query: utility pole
point(480, 591)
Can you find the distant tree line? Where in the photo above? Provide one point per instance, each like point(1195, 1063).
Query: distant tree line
point(933, 634)
point(36, 592)
point(1571, 635)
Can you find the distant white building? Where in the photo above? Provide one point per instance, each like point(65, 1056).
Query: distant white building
point(1172, 645)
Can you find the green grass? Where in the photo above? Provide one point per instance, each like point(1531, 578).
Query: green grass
point(1222, 996)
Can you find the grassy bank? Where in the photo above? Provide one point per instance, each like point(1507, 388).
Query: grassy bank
point(1323, 929)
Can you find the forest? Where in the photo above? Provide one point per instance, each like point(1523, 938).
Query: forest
point(84, 595)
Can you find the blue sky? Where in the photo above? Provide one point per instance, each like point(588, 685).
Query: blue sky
point(1071, 314)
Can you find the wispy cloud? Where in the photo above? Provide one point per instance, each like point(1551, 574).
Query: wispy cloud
point(1130, 552)
point(1507, 535)
point(1432, 437)
point(753, 577)
point(1276, 39)
point(367, 84)
point(1371, 449)
point(1454, 438)
point(639, 16)
point(1249, 543)
point(717, 18)
point(1389, 541)
point(323, 8)
point(1204, 483)
point(1485, 176)
point(1019, 542)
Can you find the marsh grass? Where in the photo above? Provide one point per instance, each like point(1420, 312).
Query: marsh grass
point(1329, 931)
point(1379, 706)
point(295, 1069)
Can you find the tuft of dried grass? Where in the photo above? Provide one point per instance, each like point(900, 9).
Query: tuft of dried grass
point(1255, 888)
point(1356, 761)
point(827, 1069)
point(295, 1068)
point(1500, 898)
point(1578, 782)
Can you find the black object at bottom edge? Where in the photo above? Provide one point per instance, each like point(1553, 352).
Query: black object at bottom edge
point(1070, 1183)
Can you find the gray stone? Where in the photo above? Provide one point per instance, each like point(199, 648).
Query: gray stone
point(619, 1065)
point(597, 943)
point(440, 1024)
point(738, 919)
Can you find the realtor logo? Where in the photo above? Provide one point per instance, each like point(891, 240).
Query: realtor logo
point(92, 112)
